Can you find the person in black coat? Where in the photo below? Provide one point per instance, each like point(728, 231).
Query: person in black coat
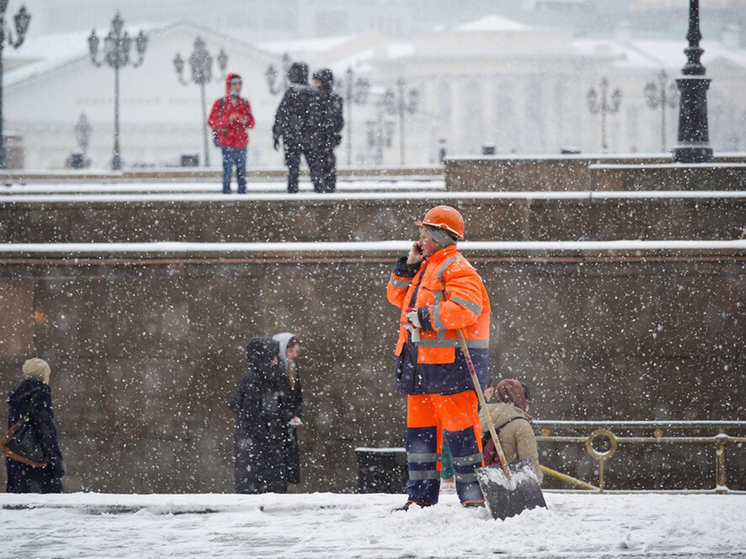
point(290, 349)
point(297, 123)
point(33, 395)
point(331, 126)
point(261, 421)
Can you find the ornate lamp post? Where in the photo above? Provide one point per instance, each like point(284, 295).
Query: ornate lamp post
point(355, 91)
point(404, 101)
point(380, 132)
point(21, 20)
point(273, 75)
point(116, 54)
point(694, 137)
point(201, 63)
point(661, 94)
point(605, 106)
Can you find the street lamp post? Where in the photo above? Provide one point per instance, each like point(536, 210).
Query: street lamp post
point(83, 131)
point(277, 80)
point(116, 54)
point(380, 132)
point(201, 63)
point(663, 95)
point(604, 106)
point(21, 21)
point(694, 138)
point(404, 101)
point(356, 91)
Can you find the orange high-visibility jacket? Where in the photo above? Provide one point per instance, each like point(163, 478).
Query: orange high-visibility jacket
point(451, 295)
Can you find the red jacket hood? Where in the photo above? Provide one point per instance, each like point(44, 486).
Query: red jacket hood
point(228, 79)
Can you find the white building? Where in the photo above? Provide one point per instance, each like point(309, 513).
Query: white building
point(160, 118)
point(489, 82)
point(495, 82)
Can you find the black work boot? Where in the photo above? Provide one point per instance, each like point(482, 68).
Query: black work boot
point(405, 506)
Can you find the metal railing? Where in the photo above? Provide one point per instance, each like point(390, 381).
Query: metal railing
point(602, 433)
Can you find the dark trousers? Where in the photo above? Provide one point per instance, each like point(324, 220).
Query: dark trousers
point(259, 467)
point(27, 479)
point(327, 170)
point(293, 152)
point(231, 157)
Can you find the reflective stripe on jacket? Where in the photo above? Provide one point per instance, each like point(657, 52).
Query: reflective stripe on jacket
point(449, 295)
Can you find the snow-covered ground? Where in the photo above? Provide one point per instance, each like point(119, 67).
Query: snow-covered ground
point(334, 525)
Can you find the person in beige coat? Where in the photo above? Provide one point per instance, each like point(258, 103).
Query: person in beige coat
point(512, 424)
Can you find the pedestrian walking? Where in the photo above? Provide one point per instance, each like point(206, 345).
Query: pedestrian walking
point(332, 124)
point(261, 421)
point(290, 349)
point(32, 397)
point(512, 425)
point(230, 119)
point(440, 293)
point(297, 126)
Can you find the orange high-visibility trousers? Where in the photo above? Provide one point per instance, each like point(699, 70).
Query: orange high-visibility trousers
point(428, 416)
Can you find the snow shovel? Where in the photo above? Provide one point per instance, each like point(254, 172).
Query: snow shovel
point(509, 489)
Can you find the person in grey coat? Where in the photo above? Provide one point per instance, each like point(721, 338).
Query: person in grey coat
point(261, 421)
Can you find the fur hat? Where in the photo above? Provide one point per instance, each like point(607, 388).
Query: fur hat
point(36, 368)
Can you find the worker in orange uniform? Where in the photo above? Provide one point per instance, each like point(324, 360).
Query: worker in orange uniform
point(439, 292)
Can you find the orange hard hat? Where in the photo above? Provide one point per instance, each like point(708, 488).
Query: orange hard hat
point(444, 217)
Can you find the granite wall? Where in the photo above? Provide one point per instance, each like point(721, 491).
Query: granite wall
point(145, 350)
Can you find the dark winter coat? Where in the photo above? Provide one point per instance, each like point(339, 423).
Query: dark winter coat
point(294, 407)
point(27, 479)
point(231, 120)
point(297, 119)
point(261, 421)
point(332, 110)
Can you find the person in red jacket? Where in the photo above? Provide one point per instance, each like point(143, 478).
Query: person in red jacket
point(230, 118)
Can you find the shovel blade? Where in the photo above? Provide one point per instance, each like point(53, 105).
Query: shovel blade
point(510, 497)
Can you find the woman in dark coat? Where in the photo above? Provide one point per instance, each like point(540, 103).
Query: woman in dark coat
point(261, 421)
point(33, 394)
point(289, 353)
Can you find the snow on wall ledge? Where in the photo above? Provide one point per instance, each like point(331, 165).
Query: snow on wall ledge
point(397, 247)
point(8, 196)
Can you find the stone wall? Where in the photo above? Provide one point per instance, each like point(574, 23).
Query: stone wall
point(145, 346)
point(594, 173)
point(539, 217)
point(144, 351)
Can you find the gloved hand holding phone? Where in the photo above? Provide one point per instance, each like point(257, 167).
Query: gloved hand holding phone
point(415, 254)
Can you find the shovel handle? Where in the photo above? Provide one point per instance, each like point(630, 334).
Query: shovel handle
point(483, 402)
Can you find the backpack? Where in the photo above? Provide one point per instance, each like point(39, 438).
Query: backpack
point(215, 133)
